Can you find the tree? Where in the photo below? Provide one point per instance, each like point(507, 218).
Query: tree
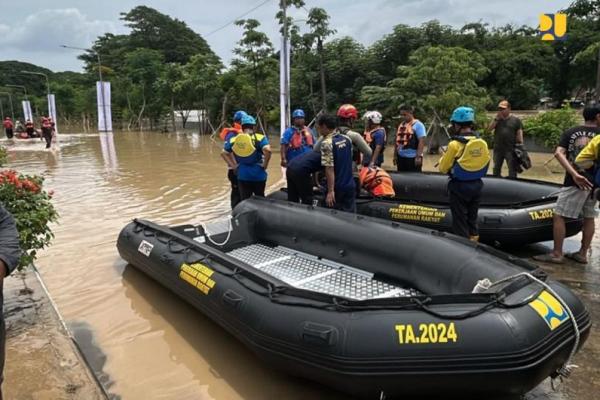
point(256, 61)
point(437, 79)
point(318, 20)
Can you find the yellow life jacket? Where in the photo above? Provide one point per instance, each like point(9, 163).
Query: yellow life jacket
point(245, 145)
point(474, 160)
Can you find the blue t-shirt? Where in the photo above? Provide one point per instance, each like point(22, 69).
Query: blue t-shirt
point(336, 152)
point(287, 138)
point(377, 138)
point(419, 132)
point(306, 163)
point(249, 167)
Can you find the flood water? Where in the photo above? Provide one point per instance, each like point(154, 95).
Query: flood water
point(142, 341)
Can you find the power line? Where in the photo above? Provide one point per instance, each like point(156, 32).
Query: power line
point(237, 18)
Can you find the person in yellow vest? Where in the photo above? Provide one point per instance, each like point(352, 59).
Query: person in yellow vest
point(466, 160)
point(225, 135)
point(248, 154)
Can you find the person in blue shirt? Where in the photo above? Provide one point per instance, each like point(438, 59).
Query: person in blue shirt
point(336, 158)
point(226, 134)
point(299, 175)
point(410, 142)
point(296, 139)
point(376, 137)
point(248, 154)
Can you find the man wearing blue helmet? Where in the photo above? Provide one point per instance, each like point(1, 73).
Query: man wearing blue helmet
point(248, 154)
point(466, 161)
point(296, 139)
point(225, 135)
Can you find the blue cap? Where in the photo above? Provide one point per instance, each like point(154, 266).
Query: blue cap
point(298, 113)
point(463, 114)
point(239, 115)
point(248, 120)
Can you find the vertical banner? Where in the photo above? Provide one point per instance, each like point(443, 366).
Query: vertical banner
point(284, 84)
point(104, 112)
point(27, 110)
point(52, 110)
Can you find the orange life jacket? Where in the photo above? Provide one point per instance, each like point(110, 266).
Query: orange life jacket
point(377, 182)
point(369, 138)
point(301, 137)
point(405, 135)
point(46, 124)
point(237, 128)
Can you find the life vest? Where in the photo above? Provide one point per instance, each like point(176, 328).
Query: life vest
point(236, 128)
point(405, 136)
point(369, 137)
point(377, 182)
point(246, 147)
point(46, 124)
point(8, 124)
point(474, 160)
point(301, 137)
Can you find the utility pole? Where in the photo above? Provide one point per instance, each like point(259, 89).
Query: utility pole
point(12, 110)
point(284, 70)
point(598, 79)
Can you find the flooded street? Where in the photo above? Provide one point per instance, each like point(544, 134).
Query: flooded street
point(141, 340)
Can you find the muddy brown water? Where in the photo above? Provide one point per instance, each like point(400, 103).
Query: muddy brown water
point(142, 341)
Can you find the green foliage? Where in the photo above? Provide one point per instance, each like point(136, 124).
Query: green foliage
point(548, 126)
point(23, 197)
point(3, 156)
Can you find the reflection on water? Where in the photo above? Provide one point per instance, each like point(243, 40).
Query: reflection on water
point(144, 342)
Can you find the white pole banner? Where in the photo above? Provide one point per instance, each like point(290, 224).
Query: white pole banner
point(27, 110)
point(104, 111)
point(52, 110)
point(284, 84)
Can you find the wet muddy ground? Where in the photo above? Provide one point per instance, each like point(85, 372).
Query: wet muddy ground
point(141, 341)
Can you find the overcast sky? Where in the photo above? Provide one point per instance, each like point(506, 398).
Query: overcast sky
point(32, 30)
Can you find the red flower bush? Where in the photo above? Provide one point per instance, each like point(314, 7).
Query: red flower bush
point(23, 196)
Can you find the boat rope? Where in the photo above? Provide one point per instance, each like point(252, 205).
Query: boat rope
point(567, 368)
point(208, 233)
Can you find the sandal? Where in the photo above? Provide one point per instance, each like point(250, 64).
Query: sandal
point(549, 258)
point(577, 257)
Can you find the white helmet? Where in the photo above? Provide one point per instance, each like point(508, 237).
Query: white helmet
point(373, 116)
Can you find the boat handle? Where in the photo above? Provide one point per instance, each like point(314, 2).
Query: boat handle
point(492, 220)
point(232, 298)
point(318, 334)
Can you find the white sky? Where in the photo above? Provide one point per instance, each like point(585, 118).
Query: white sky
point(32, 30)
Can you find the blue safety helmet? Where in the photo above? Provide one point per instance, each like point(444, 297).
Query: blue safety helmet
point(463, 114)
point(239, 115)
point(248, 120)
point(298, 113)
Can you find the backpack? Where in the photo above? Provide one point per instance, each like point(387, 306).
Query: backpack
point(474, 160)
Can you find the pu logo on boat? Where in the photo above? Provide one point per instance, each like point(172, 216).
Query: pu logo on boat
point(550, 310)
point(198, 275)
point(145, 248)
point(553, 26)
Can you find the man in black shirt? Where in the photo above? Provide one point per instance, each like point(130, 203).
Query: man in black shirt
point(574, 198)
point(508, 133)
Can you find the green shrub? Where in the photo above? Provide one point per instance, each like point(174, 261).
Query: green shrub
point(547, 127)
point(31, 206)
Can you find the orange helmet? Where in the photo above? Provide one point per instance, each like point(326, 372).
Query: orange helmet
point(347, 111)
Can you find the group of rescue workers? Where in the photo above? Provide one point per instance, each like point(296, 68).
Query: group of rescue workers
point(342, 161)
point(28, 131)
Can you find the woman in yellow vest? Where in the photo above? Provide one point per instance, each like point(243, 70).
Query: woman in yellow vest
point(248, 154)
point(467, 161)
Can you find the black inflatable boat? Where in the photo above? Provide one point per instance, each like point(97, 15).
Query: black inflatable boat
point(367, 306)
point(513, 211)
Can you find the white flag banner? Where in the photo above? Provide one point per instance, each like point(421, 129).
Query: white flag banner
point(284, 83)
point(27, 110)
point(104, 112)
point(52, 110)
